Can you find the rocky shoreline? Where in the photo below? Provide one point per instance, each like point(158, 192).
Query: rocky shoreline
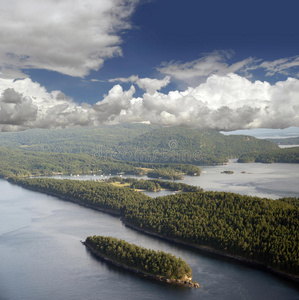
point(185, 283)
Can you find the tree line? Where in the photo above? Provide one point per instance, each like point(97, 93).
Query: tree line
point(27, 163)
point(100, 195)
point(287, 155)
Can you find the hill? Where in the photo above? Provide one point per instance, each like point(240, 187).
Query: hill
point(91, 140)
point(179, 144)
point(288, 155)
point(139, 142)
point(286, 141)
point(15, 162)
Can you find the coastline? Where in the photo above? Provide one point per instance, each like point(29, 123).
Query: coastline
point(112, 212)
point(141, 273)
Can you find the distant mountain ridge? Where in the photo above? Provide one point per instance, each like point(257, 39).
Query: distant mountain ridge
point(140, 142)
point(285, 141)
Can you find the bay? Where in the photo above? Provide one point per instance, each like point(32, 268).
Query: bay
point(253, 179)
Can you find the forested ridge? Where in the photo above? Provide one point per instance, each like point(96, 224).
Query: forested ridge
point(157, 263)
point(201, 146)
point(260, 230)
point(15, 162)
point(139, 142)
point(285, 141)
point(287, 155)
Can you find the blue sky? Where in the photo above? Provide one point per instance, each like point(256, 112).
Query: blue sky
point(225, 65)
point(169, 30)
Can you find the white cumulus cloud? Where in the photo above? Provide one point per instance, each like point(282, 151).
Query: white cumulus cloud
point(42, 34)
point(150, 85)
point(25, 104)
point(226, 102)
point(223, 102)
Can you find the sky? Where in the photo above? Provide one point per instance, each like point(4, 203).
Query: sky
point(225, 65)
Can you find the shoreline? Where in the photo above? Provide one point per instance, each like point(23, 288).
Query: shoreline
point(72, 200)
point(179, 282)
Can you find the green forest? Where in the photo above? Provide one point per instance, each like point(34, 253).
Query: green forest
point(139, 143)
point(100, 195)
point(287, 155)
point(148, 144)
point(285, 141)
point(259, 230)
point(15, 162)
point(157, 263)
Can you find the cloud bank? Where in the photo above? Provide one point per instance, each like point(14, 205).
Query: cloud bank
point(49, 31)
point(223, 102)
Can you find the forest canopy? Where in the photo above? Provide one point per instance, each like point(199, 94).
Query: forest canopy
point(139, 143)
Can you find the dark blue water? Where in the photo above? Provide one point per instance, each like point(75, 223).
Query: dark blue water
point(42, 258)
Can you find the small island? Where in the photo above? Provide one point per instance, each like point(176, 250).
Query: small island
point(151, 264)
point(227, 172)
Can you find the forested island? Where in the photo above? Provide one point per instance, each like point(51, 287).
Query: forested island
point(258, 230)
point(262, 232)
point(152, 264)
point(227, 172)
